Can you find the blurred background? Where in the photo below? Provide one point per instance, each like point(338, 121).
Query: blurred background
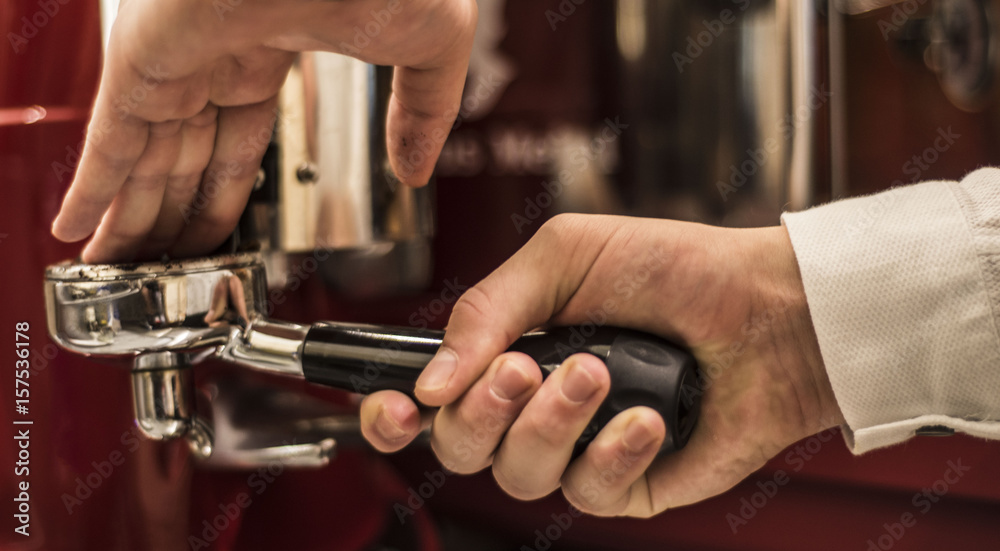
point(720, 111)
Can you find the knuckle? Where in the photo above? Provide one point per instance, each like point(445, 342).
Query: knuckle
point(473, 420)
point(517, 488)
point(199, 114)
point(561, 231)
point(123, 232)
point(95, 197)
point(183, 184)
point(562, 223)
point(472, 14)
point(166, 129)
point(116, 159)
point(466, 16)
point(145, 182)
point(220, 218)
point(467, 437)
point(158, 241)
point(475, 305)
point(474, 302)
point(550, 431)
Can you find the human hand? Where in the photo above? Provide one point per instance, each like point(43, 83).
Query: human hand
point(735, 297)
point(186, 105)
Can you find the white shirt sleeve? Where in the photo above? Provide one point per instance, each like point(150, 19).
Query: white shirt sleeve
point(904, 292)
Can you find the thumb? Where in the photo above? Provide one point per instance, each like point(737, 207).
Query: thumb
point(523, 293)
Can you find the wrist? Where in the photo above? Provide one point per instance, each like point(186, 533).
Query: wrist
point(781, 295)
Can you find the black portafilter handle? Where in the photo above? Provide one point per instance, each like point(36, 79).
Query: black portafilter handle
point(645, 370)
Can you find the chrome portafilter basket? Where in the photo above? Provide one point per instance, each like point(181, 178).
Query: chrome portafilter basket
point(166, 317)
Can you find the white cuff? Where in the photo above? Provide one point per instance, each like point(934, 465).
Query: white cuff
point(902, 288)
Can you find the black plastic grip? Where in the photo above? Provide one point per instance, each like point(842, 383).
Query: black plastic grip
point(645, 370)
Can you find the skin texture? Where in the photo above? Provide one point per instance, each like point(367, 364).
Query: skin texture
point(734, 296)
point(187, 101)
point(180, 123)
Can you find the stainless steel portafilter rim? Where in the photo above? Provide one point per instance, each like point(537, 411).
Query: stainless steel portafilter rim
point(125, 310)
point(71, 270)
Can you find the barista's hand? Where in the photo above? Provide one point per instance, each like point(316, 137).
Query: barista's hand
point(734, 296)
point(187, 98)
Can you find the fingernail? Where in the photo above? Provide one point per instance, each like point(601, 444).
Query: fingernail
point(578, 386)
point(439, 370)
point(638, 436)
point(510, 381)
point(387, 427)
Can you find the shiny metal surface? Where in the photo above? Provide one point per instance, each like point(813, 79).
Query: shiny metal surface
point(162, 397)
point(855, 7)
point(161, 313)
point(336, 195)
point(167, 317)
point(127, 310)
point(267, 346)
point(337, 190)
point(728, 105)
point(254, 424)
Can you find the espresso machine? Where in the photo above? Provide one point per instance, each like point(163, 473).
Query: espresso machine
point(173, 409)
